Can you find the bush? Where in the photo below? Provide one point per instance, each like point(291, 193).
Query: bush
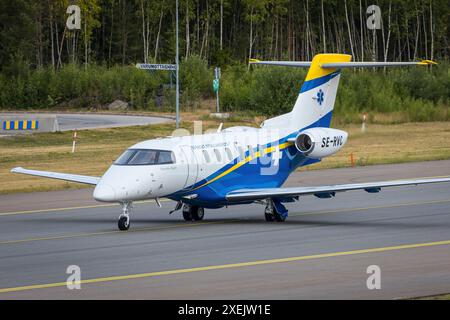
point(74, 86)
point(195, 79)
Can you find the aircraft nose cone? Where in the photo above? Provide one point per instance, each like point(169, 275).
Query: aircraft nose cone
point(104, 192)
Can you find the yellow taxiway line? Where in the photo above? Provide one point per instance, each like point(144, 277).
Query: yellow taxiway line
point(231, 265)
point(80, 235)
point(203, 223)
point(74, 208)
point(56, 209)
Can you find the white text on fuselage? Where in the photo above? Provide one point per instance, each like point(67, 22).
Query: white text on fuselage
point(210, 145)
point(336, 141)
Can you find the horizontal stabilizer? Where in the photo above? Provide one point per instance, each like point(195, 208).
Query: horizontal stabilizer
point(299, 64)
point(338, 65)
point(376, 64)
point(57, 175)
point(371, 187)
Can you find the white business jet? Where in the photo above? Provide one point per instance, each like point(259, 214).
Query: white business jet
point(239, 165)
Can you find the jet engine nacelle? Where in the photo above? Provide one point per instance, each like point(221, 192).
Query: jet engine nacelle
point(317, 143)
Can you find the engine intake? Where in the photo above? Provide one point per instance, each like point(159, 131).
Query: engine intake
point(304, 143)
point(317, 143)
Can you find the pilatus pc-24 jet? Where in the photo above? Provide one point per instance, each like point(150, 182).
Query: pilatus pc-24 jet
point(239, 165)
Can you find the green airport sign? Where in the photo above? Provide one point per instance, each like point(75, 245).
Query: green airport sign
point(216, 85)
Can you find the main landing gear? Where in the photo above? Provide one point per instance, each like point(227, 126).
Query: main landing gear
point(193, 213)
point(124, 218)
point(275, 211)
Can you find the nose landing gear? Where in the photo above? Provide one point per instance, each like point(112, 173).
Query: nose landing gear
point(193, 213)
point(124, 218)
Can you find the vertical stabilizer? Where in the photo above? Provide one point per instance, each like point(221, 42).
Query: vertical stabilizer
point(315, 103)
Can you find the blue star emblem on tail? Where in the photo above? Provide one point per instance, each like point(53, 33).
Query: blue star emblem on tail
point(320, 97)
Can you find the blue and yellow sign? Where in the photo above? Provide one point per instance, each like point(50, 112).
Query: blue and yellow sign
point(20, 124)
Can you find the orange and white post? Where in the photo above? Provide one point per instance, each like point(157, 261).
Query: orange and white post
point(74, 140)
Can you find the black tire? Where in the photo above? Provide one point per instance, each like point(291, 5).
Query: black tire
point(123, 223)
point(187, 215)
point(197, 213)
point(278, 217)
point(269, 217)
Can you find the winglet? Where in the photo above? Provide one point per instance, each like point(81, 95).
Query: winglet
point(251, 60)
point(427, 62)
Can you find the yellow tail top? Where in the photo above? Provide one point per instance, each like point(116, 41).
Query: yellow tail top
point(316, 70)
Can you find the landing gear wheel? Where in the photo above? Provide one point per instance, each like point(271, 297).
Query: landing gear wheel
point(124, 218)
point(278, 217)
point(187, 215)
point(193, 213)
point(124, 223)
point(197, 213)
point(187, 212)
point(269, 213)
point(269, 216)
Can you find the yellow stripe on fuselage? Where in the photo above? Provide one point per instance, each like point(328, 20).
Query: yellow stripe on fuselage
point(246, 160)
point(33, 124)
point(16, 125)
point(316, 70)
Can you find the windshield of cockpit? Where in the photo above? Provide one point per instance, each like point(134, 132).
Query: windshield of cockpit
point(136, 157)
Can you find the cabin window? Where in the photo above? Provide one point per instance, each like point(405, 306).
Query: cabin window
point(218, 155)
point(261, 150)
point(206, 156)
point(241, 152)
point(251, 151)
point(229, 154)
point(138, 157)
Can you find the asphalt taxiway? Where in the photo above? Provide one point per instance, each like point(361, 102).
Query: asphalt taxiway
point(321, 252)
point(80, 121)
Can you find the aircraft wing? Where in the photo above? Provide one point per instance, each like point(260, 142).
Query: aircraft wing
point(323, 191)
point(57, 175)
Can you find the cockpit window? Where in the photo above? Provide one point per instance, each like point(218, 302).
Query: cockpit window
point(143, 157)
point(125, 157)
point(136, 157)
point(166, 157)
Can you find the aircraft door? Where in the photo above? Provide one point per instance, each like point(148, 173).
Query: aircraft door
point(191, 166)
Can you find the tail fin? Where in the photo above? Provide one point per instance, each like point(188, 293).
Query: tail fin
point(315, 103)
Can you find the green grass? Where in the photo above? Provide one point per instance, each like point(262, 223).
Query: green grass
point(96, 149)
point(435, 297)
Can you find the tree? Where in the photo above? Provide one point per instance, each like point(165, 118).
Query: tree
point(90, 11)
point(125, 31)
point(256, 12)
point(17, 32)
